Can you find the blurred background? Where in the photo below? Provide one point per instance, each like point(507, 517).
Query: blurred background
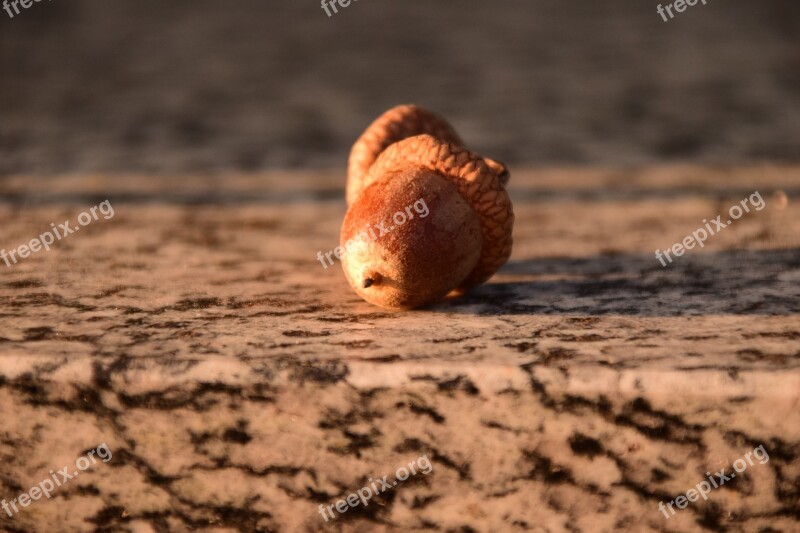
point(208, 86)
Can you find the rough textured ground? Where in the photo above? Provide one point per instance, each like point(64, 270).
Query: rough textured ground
point(197, 85)
point(240, 385)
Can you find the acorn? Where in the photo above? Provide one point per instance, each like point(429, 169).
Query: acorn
point(426, 217)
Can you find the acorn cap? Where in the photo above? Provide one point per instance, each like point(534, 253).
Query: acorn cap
point(394, 125)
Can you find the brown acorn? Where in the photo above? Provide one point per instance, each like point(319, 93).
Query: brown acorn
point(426, 217)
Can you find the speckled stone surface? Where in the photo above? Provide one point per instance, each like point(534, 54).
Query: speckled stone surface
point(240, 385)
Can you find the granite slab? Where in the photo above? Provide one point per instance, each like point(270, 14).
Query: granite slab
point(239, 385)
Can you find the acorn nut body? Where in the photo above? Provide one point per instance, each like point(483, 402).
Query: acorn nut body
point(426, 217)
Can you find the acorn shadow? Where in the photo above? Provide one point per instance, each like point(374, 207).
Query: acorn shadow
point(738, 282)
